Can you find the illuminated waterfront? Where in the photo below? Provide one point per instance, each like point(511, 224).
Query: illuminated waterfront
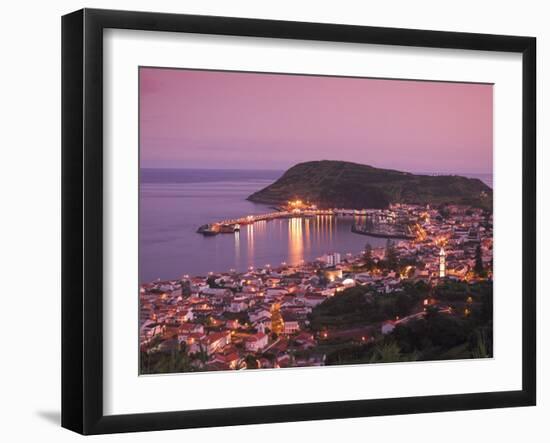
point(369, 245)
point(172, 208)
point(174, 203)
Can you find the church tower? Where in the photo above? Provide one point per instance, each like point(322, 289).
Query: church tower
point(442, 271)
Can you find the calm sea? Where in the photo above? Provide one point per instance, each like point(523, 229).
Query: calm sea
point(175, 202)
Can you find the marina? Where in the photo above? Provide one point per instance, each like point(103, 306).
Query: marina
point(299, 209)
point(173, 207)
point(400, 233)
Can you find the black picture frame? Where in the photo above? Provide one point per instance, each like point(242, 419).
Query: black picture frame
point(82, 218)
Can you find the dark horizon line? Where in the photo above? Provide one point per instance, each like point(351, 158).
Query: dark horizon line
point(282, 170)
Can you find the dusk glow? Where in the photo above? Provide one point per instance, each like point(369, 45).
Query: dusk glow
point(213, 119)
point(254, 254)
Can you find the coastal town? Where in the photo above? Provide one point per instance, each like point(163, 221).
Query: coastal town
point(437, 264)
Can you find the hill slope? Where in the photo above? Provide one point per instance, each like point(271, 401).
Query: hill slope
point(330, 184)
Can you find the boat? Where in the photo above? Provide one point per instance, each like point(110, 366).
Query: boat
point(203, 228)
point(227, 229)
point(209, 230)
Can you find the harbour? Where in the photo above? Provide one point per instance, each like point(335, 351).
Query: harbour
point(174, 204)
point(299, 209)
point(173, 207)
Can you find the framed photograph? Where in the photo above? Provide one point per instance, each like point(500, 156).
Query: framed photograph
point(269, 221)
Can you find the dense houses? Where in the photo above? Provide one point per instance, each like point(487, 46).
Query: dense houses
point(224, 321)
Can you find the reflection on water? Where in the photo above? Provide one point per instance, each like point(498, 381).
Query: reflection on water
point(174, 203)
point(291, 241)
point(295, 241)
point(237, 244)
point(307, 234)
point(250, 240)
point(170, 214)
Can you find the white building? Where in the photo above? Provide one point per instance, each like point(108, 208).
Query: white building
point(387, 327)
point(216, 292)
point(291, 324)
point(259, 313)
point(256, 342)
point(217, 341)
point(331, 259)
point(442, 263)
point(238, 304)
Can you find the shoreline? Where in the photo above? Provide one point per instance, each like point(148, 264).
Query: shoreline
point(299, 267)
point(229, 226)
point(398, 236)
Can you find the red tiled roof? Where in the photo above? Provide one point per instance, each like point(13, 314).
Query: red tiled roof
point(217, 336)
point(256, 337)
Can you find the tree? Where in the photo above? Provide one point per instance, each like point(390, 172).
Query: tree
point(478, 267)
point(386, 353)
point(369, 261)
point(444, 211)
point(202, 354)
point(481, 343)
point(251, 362)
point(144, 362)
point(179, 360)
point(392, 261)
point(185, 288)
point(323, 280)
point(432, 313)
point(404, 304)
point(176, 360)
point(211, 282)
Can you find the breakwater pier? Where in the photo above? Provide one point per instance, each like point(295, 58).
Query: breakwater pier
point(291, 211)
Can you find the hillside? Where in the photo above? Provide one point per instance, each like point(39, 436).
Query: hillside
point(330, 184)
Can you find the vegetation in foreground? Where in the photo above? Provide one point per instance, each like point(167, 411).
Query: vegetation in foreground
point(457, 324)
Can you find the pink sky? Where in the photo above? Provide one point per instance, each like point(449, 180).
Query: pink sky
point(209, 119)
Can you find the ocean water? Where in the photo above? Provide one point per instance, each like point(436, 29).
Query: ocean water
point(175, 202)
